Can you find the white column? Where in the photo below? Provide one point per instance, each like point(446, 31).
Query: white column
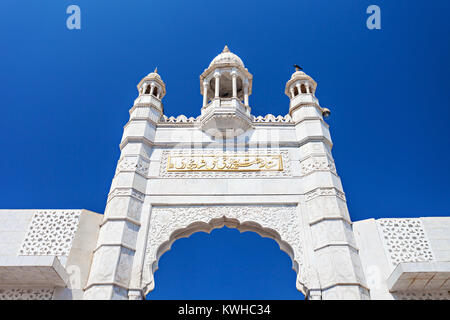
point(234, 83)
point(291, 89)
point(299, 88)
point(152, 88)
point(205, 93)
point(246, 93)
point(307, 87)
point(217, 84)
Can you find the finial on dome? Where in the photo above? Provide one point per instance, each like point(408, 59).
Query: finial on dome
point(297, 67)
point(226, 49)
point(156, 70)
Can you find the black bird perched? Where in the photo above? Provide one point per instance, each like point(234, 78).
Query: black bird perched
point(297, 67)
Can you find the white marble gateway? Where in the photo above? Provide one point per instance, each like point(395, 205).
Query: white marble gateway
point(274, 175)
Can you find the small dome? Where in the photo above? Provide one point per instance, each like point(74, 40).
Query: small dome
point(298, 74)
point(153, 75)
point(227, 57)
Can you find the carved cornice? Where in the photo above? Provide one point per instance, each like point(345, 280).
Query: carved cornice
point(126, 192)
point(134, 163)
point(269, 118)
point(139, 139)
point(318, 192)
point(317, 163)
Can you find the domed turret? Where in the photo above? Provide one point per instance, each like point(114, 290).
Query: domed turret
point(226, 85)
point(152, 84)
point(300, 83)
point(226, 77)
point(151, 91)
point(226, 58)
point(301, 89)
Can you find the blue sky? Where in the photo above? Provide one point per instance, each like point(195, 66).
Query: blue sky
point(65, 96)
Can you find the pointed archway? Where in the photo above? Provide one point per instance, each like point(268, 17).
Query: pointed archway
point(169, 223)
point(225, 264)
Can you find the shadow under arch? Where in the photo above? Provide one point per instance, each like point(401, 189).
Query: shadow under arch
point(285, 231)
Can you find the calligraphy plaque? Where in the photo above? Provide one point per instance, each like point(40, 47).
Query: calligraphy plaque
point(225, 162)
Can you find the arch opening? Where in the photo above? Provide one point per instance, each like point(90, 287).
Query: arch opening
point(216, 223)
point(226, 87)
point(303, 88)
point(224, 263)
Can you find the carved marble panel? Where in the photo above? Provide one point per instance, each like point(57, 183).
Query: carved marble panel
point(124, 192)
point(8, 293)
point(422, 295)
point(283, 168)
point(317, 163)
point(324, 192)
point(133, 163)
point(50, 233)
point(405, 240)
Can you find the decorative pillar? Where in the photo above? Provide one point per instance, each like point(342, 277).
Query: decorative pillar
point(299, 87)
point(217, 84)
point(234, 83)
point(205, 93)
point(152, 88)
point(291, 90)
point(246, 92)
point(307, 88)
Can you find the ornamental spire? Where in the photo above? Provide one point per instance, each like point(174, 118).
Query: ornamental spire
point(226, 49)
point(156, 70)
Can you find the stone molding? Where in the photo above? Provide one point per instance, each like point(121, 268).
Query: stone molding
point(125, 192)
point(317, 163)
point(179, 119)
point(269, 118)
point(319, 192)
point(133, 163)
